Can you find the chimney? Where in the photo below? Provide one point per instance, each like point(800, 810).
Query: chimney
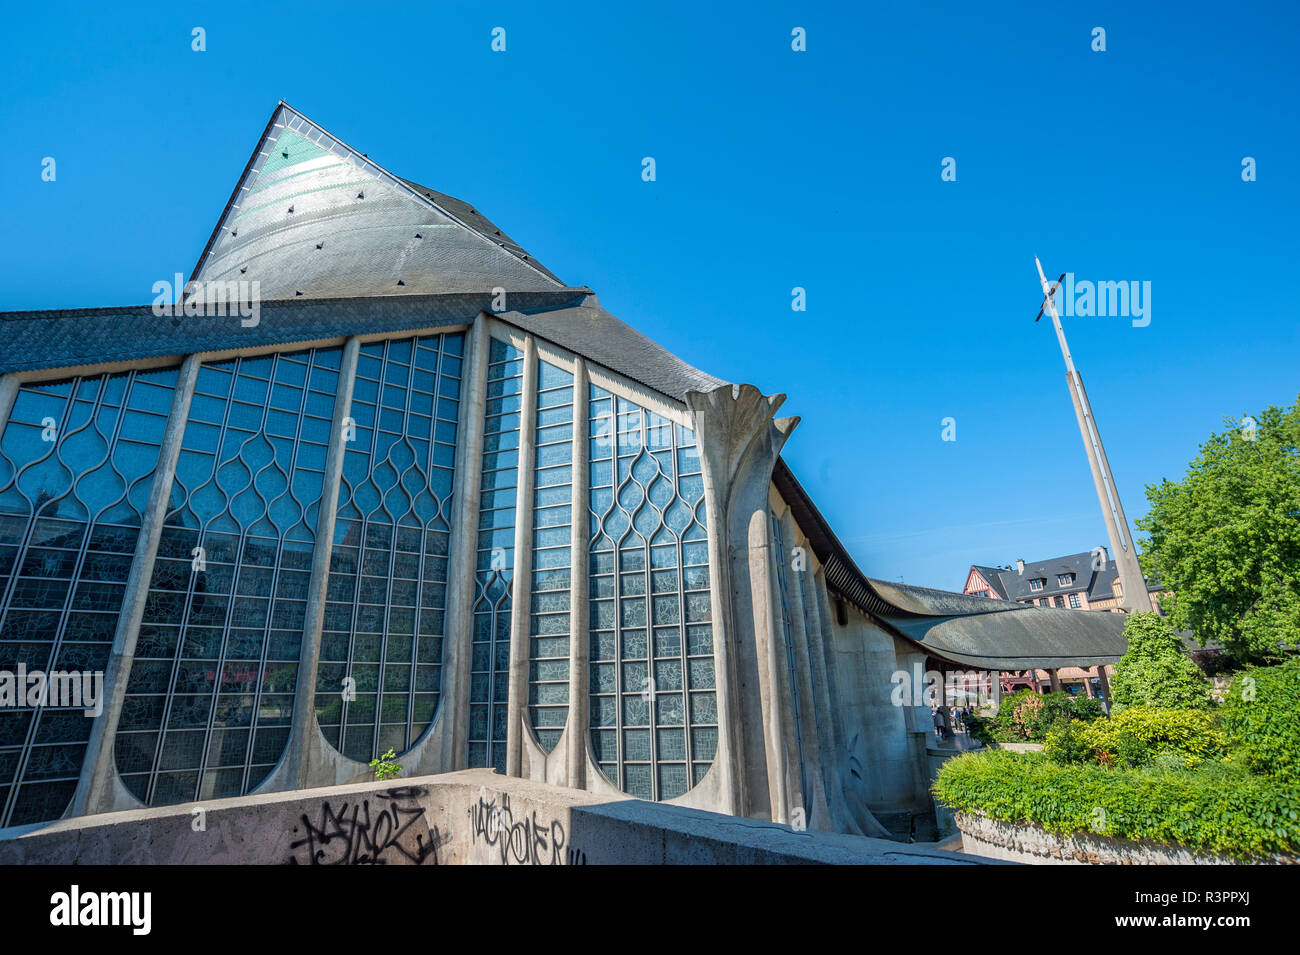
point(1020, 566)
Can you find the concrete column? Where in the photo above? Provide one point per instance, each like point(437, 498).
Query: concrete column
point(810, 710)
point(95, 789)
point(784, 738)
point(8, 393)
point(522, 585)
point(453, 711)
point(739, 443)
point(300, 756)
point(579, 569)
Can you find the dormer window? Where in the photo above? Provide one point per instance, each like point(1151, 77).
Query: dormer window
point(1064, 580)
point(1037, 583)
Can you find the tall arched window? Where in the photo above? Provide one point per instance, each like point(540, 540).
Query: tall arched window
point(653, 702)
point(210, 696)
point(490, 649)
point(548, 642)
point(380, 673)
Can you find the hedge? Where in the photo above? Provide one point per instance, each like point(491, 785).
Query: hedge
point(1219, 809)
point(1137, 735)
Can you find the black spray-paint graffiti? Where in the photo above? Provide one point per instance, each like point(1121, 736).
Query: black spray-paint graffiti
point(522, 842)
point(395, 832)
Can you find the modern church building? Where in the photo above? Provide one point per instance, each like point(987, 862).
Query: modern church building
point(383, 481)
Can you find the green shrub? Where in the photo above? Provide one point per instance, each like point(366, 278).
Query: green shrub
point(1136, 735)
point(1155, 670)
point(1261, 716)
point(1215, 809)
point(1027, 716)
point(1066, 744)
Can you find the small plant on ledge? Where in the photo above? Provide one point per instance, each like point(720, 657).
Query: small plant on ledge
point(386, 766)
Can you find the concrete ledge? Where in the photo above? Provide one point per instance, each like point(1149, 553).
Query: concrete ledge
point(470, 817)
point(1026, 842)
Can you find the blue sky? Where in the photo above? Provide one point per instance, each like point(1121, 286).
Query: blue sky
point(775, 169)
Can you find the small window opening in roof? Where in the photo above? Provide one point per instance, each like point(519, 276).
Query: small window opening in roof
point(284, 153)
point(291, 208)
point(320, 245)
point(298, 292)
point(418, 236)
point(400, 282)
point(243, 270)
point(233, 232)
point(361, 195)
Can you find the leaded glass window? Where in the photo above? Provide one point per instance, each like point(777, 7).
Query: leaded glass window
point(548, 642)
point(494, 563)
point(654, 723)
point(210, 697)
point(76, 463)
point(380, 672)
point(783, 559)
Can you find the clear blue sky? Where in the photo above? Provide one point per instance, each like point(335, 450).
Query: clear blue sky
point(775, 169)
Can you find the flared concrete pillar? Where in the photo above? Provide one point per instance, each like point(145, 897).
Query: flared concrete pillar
point(453, 711)
point(8, 394)
point(739, 443)
point(96, 791)
point(579, 582)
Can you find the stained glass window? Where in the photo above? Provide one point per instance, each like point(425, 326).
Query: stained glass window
point(494, 564)
point(548, 642)
point(380, 673)
point(654, 723)
point(210, 696)
point(76, 463)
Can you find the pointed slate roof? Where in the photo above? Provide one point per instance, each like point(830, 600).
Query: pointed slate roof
point(313, 218)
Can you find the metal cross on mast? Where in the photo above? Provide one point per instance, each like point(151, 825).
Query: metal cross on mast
point(1121, 544)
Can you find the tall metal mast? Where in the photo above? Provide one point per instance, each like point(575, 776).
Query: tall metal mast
point(1122, 547)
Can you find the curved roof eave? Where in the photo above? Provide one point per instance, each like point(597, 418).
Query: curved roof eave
point(972, 631)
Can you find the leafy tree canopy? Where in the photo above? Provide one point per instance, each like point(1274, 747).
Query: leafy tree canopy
point(1225, 540)
point(1155, 670)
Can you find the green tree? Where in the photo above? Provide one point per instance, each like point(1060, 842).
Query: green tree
point(1155, 670)
point(1225, 540)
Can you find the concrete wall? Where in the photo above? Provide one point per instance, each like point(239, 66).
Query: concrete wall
point(889, 758)
point(468, 817)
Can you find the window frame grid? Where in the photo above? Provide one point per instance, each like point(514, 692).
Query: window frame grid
point(281, 545)
point(363, 523)
point(14, 787)
point(608, 426)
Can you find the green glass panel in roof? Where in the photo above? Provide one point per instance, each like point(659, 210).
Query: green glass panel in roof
point(289, 150)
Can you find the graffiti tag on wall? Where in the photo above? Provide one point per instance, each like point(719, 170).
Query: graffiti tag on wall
point(523, 841)
point(381, 829)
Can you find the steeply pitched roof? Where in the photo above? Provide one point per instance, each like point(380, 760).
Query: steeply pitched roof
point(1011, 584)
point(311, 217)
point(993, 577)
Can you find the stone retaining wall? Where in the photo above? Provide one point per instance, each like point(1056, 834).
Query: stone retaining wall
point(1026, 842)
